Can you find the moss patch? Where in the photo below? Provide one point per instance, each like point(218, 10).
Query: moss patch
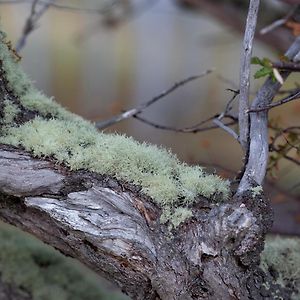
point(77, 143)
point(283, 256)
point(44, 272)
point(10, 111)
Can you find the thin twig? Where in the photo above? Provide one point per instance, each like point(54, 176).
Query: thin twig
point(228, 107)
point(279, 22)
point(245, 73)
point(31, 22)
point(199, 126)
point(193, 129)
point(135, 111)
point(287, 99)
point(226, 128)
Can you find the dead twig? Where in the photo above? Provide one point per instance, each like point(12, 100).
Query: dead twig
point(295, 96)
point(135, 111)
point(279, 22)
point(31, 22)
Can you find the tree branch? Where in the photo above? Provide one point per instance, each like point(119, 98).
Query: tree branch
point(279, 22)
point(31, 22)
point(245, 74)
point(259, 148)
point(295, 96)
point(135, 111)
point(289, 66)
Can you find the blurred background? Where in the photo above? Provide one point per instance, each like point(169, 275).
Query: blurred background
point(100, 58)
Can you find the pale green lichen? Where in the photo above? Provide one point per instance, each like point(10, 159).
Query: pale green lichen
point(256, 191)
point(77, 143)
point(10, 111)
point(283, 255)
point(176, 217)
point(44, 273)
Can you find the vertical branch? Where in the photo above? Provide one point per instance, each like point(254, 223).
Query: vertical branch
point(259, 146)
point(245, 73)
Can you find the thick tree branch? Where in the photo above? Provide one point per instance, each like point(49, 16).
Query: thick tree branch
point(115, 231)
point(158, 238)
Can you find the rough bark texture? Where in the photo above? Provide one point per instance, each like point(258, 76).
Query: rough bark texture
point(116, 231)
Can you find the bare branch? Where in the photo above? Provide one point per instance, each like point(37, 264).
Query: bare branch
point(259, 148)
point(192, 129)
point(31, 22)
point(216, 119)
point(226, 128)
point(245, 73)
point(279, 22)
point(290, 66)
point(287, 99)
point(135, 111)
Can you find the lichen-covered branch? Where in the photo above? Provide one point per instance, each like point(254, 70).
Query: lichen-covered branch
point(132, 212)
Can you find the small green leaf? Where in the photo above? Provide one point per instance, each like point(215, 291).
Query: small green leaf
point(256, 61)
point(266, 62)
point(263, 72)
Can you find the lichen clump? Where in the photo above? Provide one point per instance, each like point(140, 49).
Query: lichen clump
point(281, 257)
point(69, 139)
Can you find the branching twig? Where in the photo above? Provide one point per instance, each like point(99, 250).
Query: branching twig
point(31, 22)
point(192, 129)
point(216, 119)
point(245, 73)
point(135, 111)
point(259, 148)
point(287, 99)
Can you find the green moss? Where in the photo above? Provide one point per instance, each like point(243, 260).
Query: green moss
point(283, 255)
point(44, 272)
point(77, 143)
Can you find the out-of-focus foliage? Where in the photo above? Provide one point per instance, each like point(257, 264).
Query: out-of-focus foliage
point(45, 273)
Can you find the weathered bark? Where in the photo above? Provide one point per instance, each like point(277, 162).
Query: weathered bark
point(116, 231)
